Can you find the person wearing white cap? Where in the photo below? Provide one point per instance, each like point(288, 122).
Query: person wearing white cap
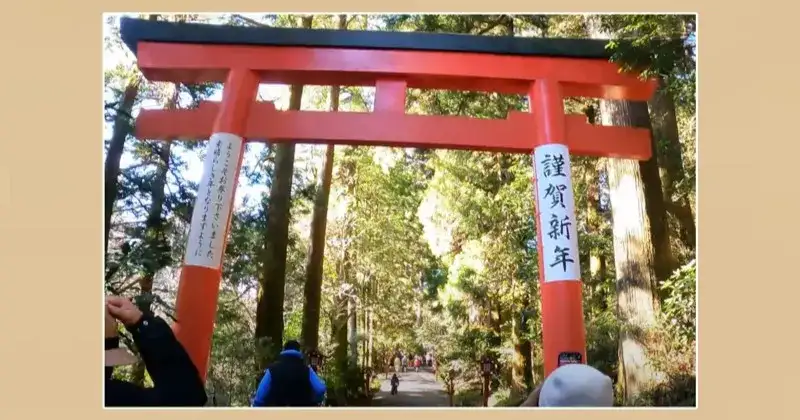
point(573, 385)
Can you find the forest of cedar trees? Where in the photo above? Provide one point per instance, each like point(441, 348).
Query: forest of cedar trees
point(359, 251)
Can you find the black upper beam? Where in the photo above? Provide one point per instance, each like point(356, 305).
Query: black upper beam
point(134, 31)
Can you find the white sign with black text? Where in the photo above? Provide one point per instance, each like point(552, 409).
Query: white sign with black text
point(214, 200)
point(555, 204)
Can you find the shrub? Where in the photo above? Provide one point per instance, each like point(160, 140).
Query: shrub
point(672, 344)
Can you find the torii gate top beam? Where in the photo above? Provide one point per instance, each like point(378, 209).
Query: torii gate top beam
point(391, 61)
point(193, 53)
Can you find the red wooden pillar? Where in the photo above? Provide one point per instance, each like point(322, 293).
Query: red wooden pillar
point(196, 305)
point(563, 333)
point(390, 96)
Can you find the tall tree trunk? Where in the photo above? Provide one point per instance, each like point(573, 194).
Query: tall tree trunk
point(670, 157)
point(664, 259)
point(352, 328)
point(594, 222)
point(518, 361)
point(509, 25)
point(340, 349)
point(157, 245)
point(370, 334)
point(342, 308)
point(155, 237)
point(523, 364)
point(633, 255)
point(123, 125)
point(635, 114)
point(340, 337)
point(598, 269)
point(420, 295)
point(525, 349)
point(520, 375)
point(362, 326)
point(269, 309)
point(349, 174)
point(316, 253)
point(497, 322)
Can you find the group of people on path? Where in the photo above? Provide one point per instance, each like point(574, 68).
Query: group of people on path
point(402, 362)
point(289, 382)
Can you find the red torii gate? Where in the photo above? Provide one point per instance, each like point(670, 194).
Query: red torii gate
point(547, 70)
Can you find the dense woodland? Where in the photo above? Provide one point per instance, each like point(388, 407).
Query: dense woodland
point(362, 250)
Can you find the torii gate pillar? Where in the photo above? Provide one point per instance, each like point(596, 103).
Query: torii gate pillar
point(563, 332)
point(198, 289)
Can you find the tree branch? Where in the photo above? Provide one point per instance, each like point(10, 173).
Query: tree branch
point(249, 21)
point(496, 23)
point(169, 310)
point(128, 286)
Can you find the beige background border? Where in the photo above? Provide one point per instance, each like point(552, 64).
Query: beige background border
point(51, 186)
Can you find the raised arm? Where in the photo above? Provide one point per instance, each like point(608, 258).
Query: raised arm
point(317, 385)
point(176, 381)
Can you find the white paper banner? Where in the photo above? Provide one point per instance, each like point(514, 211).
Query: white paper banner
point(555, 204)
point(214, 198)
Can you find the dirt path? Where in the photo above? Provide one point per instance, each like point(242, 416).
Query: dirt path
point(416, 390)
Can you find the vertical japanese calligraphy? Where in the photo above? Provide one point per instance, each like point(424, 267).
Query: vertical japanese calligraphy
point(214, 201)
point(556, 211)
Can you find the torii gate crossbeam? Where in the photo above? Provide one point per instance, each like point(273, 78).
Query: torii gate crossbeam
point(547, 70)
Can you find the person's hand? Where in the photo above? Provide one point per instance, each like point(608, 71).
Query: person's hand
point(123, 310)
point(110, 323)
point(533, 398)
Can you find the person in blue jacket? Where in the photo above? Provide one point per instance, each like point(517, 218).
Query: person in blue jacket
point(290, 382)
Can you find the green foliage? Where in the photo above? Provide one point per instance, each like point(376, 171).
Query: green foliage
point(602, 338)
point(675, 359)
point(233, 372)
point(672, 344)
point(680, 390)
point(656, 46)
point(507, 397)
point(294, 321)
point(346, 386)
point(468, 397)
point(680, 306)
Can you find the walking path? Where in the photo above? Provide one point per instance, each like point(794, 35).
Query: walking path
point(417, 389)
